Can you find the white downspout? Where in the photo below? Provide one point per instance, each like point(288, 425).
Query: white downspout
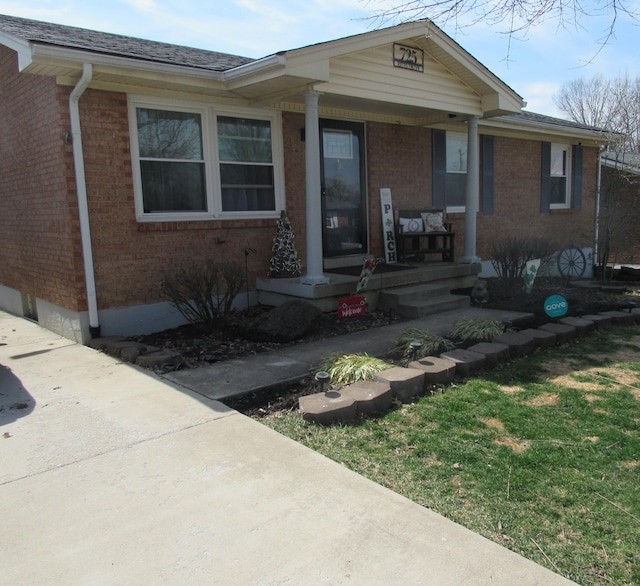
point(596, 243)
point(83, 206)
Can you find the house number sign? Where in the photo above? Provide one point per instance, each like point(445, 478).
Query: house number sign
point(407, 57)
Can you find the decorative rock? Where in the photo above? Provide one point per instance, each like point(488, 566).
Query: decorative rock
point(436, 370)
point(563, 332)
point(129, 351)
point(582, 325)
point(466, 361)
point(519, 343)
point(620, 318)
point(102, 343)
point(541, 338)
point(494, 352)
point(285, 323)
point(328, 408)
point(370, 396)
point(159, 359)
point(405, 383)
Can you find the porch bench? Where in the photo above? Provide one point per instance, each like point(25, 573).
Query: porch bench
point(423, 232)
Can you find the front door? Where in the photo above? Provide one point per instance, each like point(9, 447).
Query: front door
point(344, 198)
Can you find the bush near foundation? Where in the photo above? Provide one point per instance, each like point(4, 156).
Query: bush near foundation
point(203, 292)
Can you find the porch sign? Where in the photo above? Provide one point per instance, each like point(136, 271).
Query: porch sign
point(388, 234)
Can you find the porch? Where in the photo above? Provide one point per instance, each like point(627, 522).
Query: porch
point(411, 290)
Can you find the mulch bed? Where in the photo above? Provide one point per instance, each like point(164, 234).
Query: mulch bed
point(227, 341)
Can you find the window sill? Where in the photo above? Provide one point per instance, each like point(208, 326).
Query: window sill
point(217, 224)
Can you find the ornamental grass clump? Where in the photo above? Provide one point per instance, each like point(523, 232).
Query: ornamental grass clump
point(431, 345)
point(350, 368)
point(480, 330)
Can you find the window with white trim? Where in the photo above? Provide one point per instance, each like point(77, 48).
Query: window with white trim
point(202, 162)
point(560, 170)
point(456, 180)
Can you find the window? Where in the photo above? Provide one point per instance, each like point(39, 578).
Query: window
point(561, 181)
point(456, 166)
point(560, 176)
point(246, 164)
point(196, 162)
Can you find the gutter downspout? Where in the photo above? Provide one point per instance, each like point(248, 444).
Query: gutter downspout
point(83, 206)
point(596, 242)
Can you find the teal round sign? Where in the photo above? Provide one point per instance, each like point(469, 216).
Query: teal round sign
point(556, 306)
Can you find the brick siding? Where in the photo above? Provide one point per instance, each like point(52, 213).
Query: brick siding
point(620, 217)
point(39, 234)
point(130, 258)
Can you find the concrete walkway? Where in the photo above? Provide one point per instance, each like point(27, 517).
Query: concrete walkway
point(111, 475)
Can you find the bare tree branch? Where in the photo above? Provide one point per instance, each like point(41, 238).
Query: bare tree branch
point(517, 16)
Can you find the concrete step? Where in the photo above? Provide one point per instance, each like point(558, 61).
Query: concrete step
point(442, 303)
point(393, 298)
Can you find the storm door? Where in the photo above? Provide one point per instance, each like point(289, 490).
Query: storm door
point(344, 198)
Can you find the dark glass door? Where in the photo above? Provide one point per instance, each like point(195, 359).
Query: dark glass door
point(344, 198)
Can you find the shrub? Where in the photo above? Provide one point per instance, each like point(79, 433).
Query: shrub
point(203, 292)
point(481, 330)
point(432, 345)
point(510, 256)
point(350, 368)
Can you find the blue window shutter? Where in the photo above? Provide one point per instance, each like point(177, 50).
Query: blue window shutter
point(577, 177)
point(439, 170)
point(487, 174)
point(545, 189)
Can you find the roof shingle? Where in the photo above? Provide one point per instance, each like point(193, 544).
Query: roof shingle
point(118, 45)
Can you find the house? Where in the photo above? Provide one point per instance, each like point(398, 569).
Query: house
point(617, 236)
point(123, 158)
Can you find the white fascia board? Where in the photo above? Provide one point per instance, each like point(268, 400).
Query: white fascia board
point(270, 63)
point(472, 64)
point(278, 66)
point(532, 126)
point(53, 53)
point(360, 42)
point(20, 46)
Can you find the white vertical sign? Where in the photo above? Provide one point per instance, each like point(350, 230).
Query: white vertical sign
point(388, 233)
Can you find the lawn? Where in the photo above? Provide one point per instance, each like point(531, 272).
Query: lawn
point(541, 456)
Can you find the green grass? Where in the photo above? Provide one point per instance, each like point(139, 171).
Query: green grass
point(541, 456)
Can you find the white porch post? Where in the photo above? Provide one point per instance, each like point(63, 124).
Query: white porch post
point(472, 197)
point(314, 274)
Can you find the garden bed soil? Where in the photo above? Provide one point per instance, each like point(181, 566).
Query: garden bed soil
point(227, 341)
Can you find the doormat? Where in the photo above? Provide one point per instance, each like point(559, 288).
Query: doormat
point(381, 268)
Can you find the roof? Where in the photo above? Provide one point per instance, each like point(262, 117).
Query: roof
point(534, 118)
point(281, 74)
point(626, 162)
point(118, 45)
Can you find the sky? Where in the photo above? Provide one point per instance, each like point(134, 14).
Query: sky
point(535, 64)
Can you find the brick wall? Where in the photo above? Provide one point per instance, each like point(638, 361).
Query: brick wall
point(39, 238)
point(130, 258)
point(399, 157)
point(620, 217)
point(517, 200)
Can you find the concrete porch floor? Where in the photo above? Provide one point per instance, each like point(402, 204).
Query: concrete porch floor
point(277, 291)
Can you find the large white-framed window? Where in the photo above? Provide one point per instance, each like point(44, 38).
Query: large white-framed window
point(196, 161)
point(560, 170)
point(456, 169)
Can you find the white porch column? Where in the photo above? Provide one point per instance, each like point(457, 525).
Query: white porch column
point(472, 198)
point(314, 274)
